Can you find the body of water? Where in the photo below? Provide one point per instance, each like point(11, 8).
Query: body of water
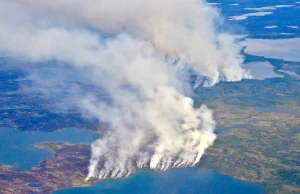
point(261, 70)
point(176, 181)
point(269, 110)
point(17, 147)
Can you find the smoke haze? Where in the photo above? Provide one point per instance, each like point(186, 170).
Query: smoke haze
point(137, 51)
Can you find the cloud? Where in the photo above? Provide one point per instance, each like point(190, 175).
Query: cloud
point(245, 16)
point(286, 34)
point(262, 11)
point(293, 27)
point(286, 49)
point(268, 7)
point(214, 3)
point(137, 51)
point(271, 27)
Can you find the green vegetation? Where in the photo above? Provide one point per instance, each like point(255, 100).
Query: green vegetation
point(257, 146)
point(266, 148)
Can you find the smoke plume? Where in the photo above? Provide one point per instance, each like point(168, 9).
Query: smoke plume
point(135, 50)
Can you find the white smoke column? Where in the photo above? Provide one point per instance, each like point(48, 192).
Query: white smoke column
point(154, 124)
point(161, 133)
point(184, 30)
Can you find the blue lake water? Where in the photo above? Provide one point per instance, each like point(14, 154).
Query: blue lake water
point(17, 147)
point(261, 70)
point(177, 181)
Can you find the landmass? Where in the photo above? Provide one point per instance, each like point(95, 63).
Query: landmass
point(264, 150)
point(259, 144)
point(67, 168)
point(258, 141)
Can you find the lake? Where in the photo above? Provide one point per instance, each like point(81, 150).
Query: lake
point(175, 181)
point(17, 147)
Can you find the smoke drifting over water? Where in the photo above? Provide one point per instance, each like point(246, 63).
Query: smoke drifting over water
point(136, 50)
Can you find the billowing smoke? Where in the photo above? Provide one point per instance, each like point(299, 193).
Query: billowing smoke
point(136, 50)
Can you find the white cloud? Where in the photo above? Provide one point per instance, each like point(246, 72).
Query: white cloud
point(286, 49)
point(262, 11)
point(245, 16)
point(271, 27)
point(214, 3)
point(268, 8)
point(293, 27)
point(287, 34)
point(234, 4)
